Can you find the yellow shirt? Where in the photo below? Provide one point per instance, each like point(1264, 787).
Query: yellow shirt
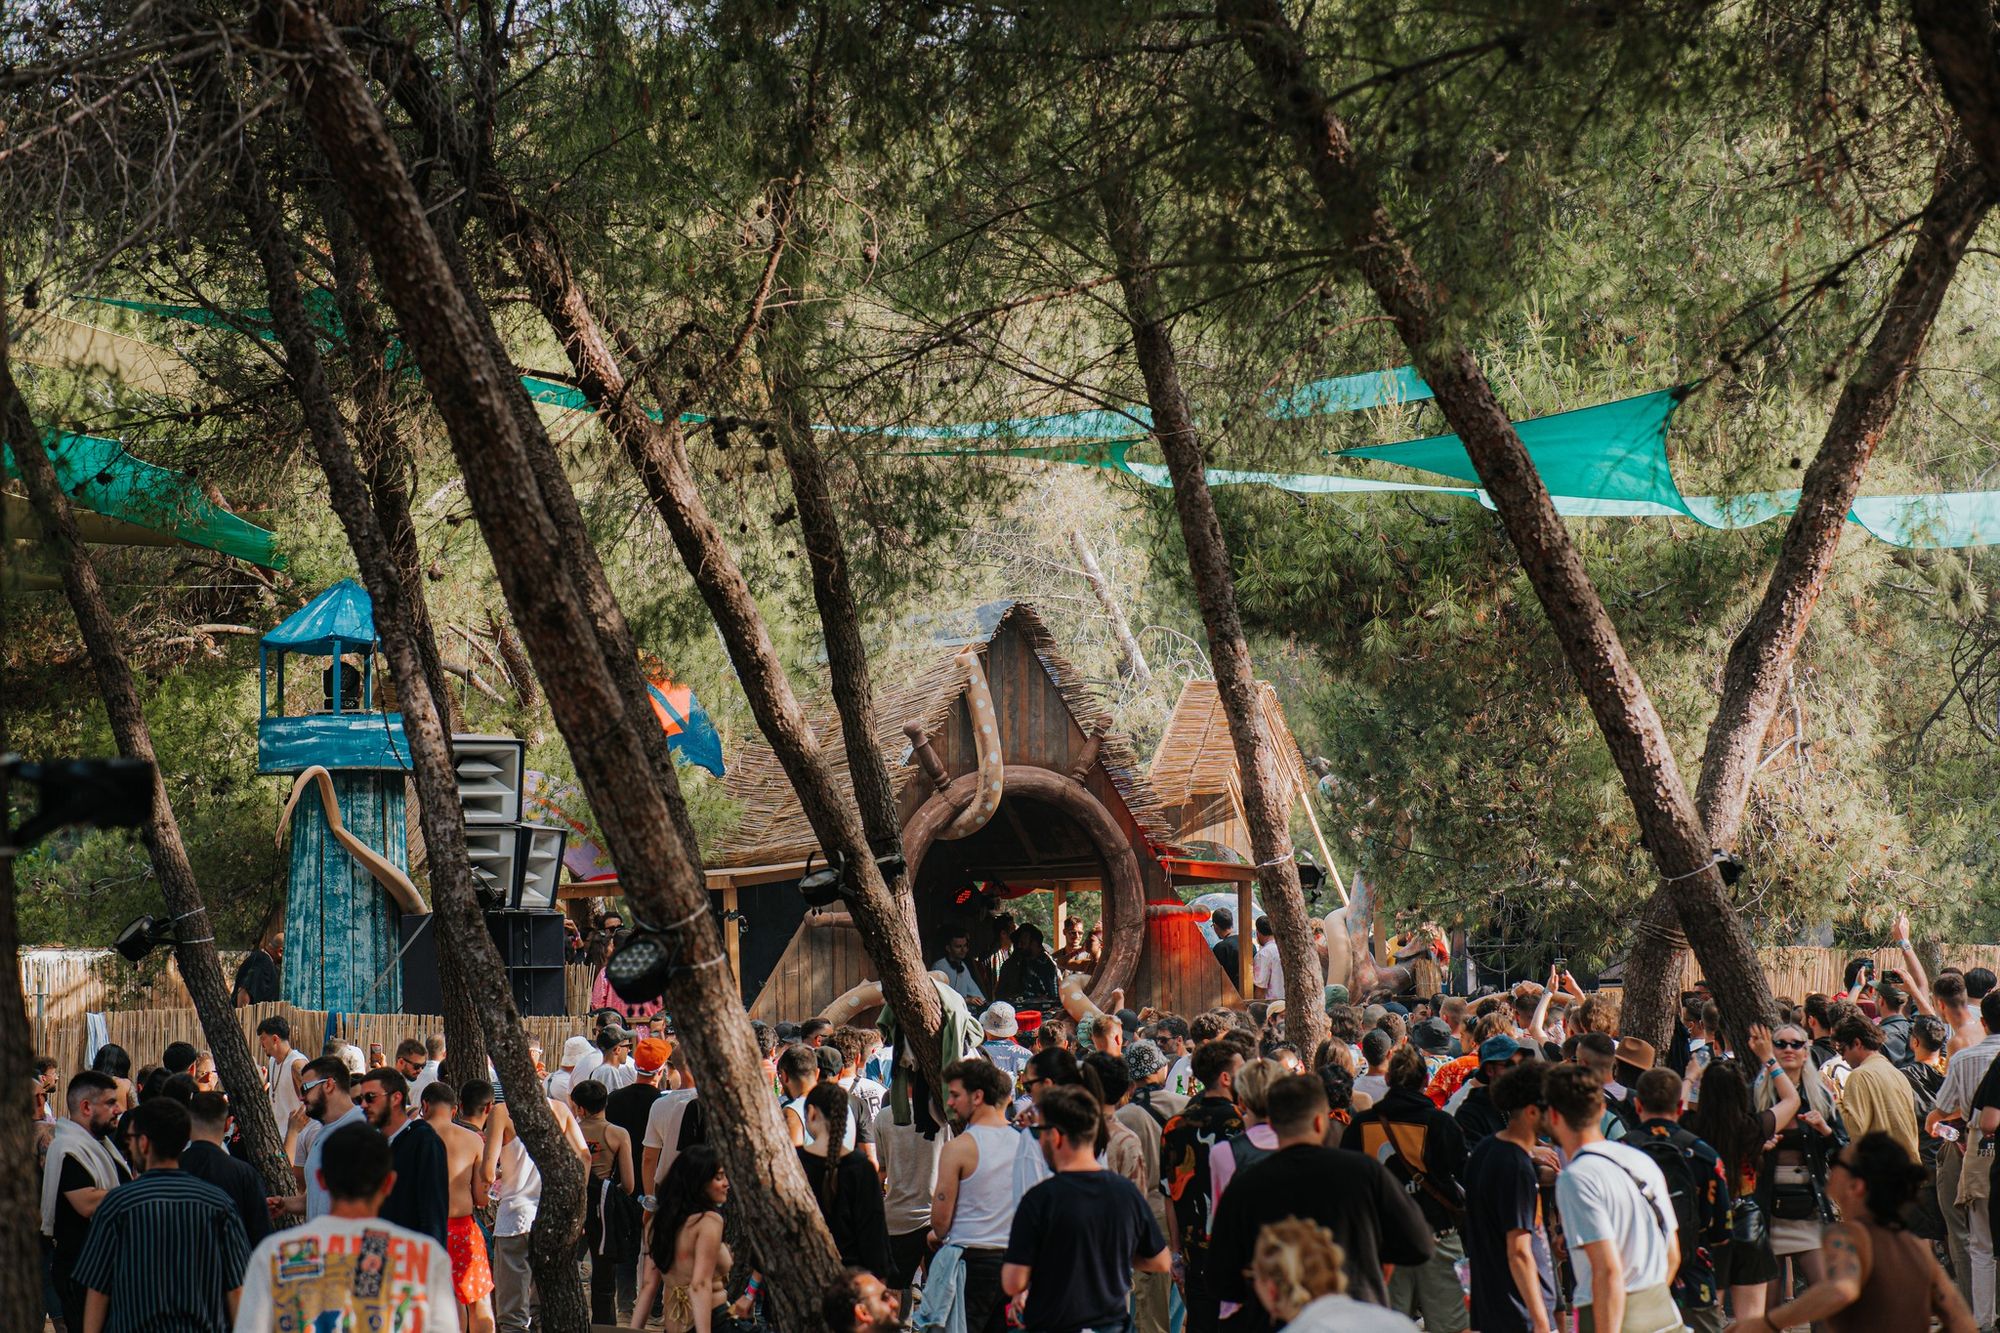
point(1877, 1096)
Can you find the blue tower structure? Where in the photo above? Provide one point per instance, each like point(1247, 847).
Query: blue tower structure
point(348, 883)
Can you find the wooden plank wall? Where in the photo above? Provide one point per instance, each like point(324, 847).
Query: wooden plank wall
point(822, 963)
point(1177, 971)
point(144, 1033)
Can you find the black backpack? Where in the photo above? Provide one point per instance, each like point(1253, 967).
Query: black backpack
point(1674, 1155)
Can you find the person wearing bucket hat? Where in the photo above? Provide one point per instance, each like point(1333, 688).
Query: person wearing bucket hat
point(998, 1026)
point(574, 1049)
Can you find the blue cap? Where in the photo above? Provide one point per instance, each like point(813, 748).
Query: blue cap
point(1498, 1049)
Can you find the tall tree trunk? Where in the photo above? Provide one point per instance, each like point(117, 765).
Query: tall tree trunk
point(200, 967)
point(20, 1182)
point(485, 410)
point(1617, 696)
point(1962, 39)
point(1262, 779)
point(447, 138)
point(387, 463)
point(1107, 597)
point(657, 451)
point(460, 923)
point(1760, 659)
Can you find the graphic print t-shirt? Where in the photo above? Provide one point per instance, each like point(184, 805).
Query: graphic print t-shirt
point(348, 1275)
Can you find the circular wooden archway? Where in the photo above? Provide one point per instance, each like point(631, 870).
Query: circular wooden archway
point(1124, 890)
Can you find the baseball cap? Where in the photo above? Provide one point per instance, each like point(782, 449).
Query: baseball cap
point(651, 1056)
point(1336, 994)
point(1498, 1049)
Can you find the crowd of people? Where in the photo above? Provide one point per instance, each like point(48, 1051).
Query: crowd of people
point(1505, 1162)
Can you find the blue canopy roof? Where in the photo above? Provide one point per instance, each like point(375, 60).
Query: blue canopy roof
point(340, 618)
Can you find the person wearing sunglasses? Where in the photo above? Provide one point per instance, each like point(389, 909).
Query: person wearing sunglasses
point(1879, 1278)
point(323, 1089)
point(1796, 1167)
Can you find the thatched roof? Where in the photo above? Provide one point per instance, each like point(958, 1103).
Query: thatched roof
point(1196, 756)
point(915, 684)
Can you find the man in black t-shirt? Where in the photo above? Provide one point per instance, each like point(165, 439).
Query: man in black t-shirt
point(205, 1158)
point(1503, 1214)
point(1349, 1193)
point(1227, 942)
point(257, 975)
point(1078, 1236)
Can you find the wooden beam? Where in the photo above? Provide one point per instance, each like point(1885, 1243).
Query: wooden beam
point(1021, 832)
point(1060, 913)
point(1332, 870)
point(732, 933)
point(1246, 936)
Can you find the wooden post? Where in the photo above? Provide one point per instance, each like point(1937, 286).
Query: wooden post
point(1246, 936)
point(1332, 870)
point(1058, 915)
point(732, 934)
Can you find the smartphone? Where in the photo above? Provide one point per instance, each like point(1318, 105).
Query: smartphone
point(1562, 966)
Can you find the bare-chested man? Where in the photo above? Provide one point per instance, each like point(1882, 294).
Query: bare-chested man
point(471, 1273)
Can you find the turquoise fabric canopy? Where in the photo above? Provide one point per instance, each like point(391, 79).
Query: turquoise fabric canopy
point(340, 618)
point(97, 474)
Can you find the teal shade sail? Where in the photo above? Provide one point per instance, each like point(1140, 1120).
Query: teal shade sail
point(99, 475)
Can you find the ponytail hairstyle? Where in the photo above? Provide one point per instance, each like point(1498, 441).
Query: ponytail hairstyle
point(834, 1105)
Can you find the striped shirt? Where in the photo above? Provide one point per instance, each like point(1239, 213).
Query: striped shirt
point(167, 1250)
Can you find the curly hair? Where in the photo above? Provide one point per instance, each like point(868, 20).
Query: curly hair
point(1301, 1262)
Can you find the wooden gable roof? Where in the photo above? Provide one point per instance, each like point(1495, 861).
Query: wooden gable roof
point(1197, 757)
point(921, 685)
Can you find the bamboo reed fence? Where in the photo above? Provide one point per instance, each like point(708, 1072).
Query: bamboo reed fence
point(144, 1033)
point(61, 986)
point(144, 1011)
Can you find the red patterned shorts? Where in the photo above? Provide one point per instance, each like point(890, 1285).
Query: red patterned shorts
point(471, 1274)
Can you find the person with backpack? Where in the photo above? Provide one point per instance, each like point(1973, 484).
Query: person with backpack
point(1616, 1214)
point(1506, 1239)
point(1424, 1150)
point(1698, 1188)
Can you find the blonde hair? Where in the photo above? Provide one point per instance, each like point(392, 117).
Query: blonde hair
point(1813, 1089)
point(1301, 1262)
point(1253, 1083)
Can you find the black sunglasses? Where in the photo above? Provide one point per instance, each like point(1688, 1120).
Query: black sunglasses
point(1789, 1045)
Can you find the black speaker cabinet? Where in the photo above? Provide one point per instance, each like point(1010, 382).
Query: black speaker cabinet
point(531, 949)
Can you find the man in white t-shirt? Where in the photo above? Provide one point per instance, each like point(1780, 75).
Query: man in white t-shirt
point(282, 1063)
point(1616, 1214)
point(349, 1269)
point(1266, 973)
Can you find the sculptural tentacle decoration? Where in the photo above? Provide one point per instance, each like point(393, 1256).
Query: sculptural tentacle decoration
point(386, 872)
point(986, 742)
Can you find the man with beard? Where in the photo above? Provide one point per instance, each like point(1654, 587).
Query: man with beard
point(82, 1168)
point(418, 1198)
point(973, 1209)
point(323, 1089)
point(859, 1303)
